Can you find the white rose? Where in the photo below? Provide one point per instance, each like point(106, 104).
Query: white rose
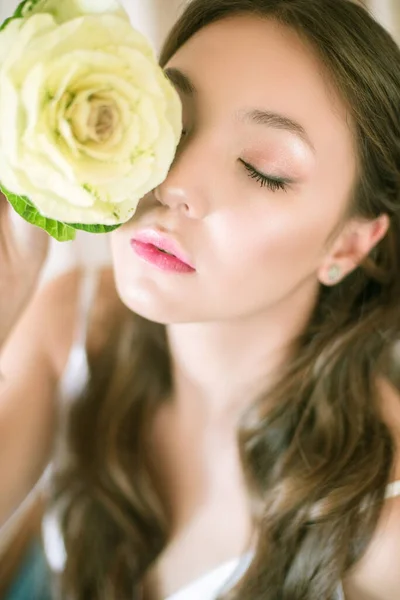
point(65, 10)
point(88, 122)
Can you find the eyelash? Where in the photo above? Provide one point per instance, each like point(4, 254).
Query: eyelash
point(271, 183)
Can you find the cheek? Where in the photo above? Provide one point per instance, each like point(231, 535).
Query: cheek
point(274, 240)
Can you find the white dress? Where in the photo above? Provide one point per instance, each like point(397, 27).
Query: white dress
point(206, 587)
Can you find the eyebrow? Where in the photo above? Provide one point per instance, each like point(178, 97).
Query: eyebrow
point(260, 117)
point(278, 121)
point(181, 81)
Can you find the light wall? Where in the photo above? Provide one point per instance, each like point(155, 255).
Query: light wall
point(388, 13)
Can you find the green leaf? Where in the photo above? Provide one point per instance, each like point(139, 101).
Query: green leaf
point(95, 228)
point(6, 22)
point(62, 232)
point(59, 231)
point(19, 12)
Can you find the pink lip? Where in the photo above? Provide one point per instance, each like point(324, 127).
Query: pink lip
point(151, 245)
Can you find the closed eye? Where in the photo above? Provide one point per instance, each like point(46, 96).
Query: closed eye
point(273, 183)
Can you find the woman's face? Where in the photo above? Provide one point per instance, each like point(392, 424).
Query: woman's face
point(261, 180)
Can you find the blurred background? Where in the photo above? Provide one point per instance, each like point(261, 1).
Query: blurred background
point(154, 18)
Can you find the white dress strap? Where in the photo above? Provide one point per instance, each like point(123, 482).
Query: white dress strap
point(76, 372)
point(75, 378)
point(340, 592)
point(393, 490)
point(86, 298)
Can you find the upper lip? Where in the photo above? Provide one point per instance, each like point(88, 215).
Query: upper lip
point(163, 242)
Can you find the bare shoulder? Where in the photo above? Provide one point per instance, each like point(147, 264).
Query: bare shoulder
point(377, 575)
point(59, 309)
point(390, 398)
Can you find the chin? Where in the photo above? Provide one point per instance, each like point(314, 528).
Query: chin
point(144, 299)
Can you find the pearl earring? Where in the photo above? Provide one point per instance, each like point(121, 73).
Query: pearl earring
point(334, 273)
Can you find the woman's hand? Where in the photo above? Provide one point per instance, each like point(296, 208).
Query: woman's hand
point(23, 251)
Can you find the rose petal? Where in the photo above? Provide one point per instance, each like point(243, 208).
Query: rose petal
point(56, 77)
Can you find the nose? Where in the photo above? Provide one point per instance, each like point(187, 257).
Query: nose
point(187, 186)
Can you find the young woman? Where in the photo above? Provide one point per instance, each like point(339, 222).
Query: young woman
point(239, 436)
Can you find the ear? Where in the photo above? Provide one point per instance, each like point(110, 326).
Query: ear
point(355, 241)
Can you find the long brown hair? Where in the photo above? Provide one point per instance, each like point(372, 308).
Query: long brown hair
point(318, 461)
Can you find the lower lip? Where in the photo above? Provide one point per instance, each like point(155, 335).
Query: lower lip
point(166, 262)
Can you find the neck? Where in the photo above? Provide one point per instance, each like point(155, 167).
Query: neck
point(224, 365)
